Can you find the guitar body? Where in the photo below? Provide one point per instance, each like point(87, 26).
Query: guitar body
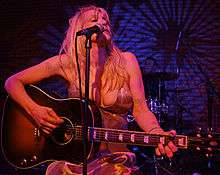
point(25, 146)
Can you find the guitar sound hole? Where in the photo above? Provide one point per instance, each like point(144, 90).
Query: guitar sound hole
point(63, 134)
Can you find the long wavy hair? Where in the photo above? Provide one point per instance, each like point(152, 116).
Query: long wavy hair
point(114, 68)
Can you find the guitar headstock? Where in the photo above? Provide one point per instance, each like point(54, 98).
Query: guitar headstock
point(206, 141)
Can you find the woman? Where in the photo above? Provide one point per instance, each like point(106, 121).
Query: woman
point(115, 85)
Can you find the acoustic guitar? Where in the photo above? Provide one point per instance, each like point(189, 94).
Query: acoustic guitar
point(24, 146)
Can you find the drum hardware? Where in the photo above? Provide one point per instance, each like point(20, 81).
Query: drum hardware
point(151, 159)
point(180, 109)
point(158, 104)
point(162, 76)
point(158, 166)
point(158, 108)
point(130, 118)
point(179, 118)
point(153, 105)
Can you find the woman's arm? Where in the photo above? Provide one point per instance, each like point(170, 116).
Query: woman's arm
point(14, 85)
point(143, 116)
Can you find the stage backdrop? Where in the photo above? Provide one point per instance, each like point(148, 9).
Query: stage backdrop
point(177, 39)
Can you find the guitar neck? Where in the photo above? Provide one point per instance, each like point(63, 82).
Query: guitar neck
point(130, 137)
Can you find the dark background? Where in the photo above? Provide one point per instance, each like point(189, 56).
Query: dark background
point(166, 36)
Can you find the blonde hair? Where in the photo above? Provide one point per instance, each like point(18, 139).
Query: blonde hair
point(114, 70)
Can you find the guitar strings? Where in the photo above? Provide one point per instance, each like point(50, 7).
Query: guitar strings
point(153, 141)
point(126, 137)
point(113, 136)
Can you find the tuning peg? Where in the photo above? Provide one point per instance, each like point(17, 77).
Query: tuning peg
point(198, 148)
point(209, 135)
point(198, 132)
point(209, 149)
point(33, 158)
point(210, 132)
point(209, 155)
point(23, 162)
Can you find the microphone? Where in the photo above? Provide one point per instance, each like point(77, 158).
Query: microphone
point(91, 30)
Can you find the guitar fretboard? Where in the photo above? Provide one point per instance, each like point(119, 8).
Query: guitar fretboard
point(130, 137)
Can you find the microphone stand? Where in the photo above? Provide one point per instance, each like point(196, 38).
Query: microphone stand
point(179, 117)
point(85, 103)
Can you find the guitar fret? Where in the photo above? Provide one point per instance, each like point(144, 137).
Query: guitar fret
point(106, 135)
point(162, 140)
point(132, 137)
point(94, 134)
point(120, 137)
point(146, 139)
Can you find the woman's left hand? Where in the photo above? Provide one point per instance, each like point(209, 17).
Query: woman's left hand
point(168, 149)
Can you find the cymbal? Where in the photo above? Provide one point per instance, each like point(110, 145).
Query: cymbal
point(164, 76)
point(178, 90)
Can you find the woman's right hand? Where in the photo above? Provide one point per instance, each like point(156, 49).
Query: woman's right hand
point(46, 119)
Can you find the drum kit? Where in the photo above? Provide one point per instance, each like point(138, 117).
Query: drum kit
point(156, 101)
point(157, 104)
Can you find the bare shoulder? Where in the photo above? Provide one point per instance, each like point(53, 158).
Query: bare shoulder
point(55, 65)
point(64, 58)
point(129, 55)
point(58, 61)
point(64, 65)
point(131, 61)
